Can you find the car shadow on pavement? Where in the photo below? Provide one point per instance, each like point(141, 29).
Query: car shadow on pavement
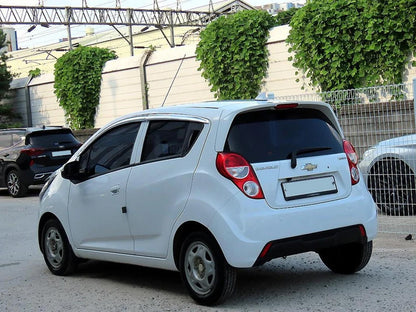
point(133, 275)
point(282, 282)
point(287, 280)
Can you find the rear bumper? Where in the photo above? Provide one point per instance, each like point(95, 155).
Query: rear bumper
point(40, 178)
point(30, 177)
point(243, 231)
point(312, 242)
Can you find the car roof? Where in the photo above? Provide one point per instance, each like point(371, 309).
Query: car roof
point(32, 129)
point(215, 109)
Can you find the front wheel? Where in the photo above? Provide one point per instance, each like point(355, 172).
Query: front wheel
point(347, 259)
point(56, 249)
point(204, 270)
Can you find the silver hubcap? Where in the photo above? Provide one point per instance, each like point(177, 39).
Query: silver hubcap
point(13, 183)
point(54, 247)
point(200, 268)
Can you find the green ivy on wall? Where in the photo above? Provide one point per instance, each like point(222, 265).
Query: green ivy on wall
point(77, 83)
point(347, 44)
point(233, 54)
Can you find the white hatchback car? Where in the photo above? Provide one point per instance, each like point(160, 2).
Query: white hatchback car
point(208, 188)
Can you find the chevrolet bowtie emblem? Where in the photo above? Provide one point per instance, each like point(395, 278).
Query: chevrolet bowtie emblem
point(309, 167)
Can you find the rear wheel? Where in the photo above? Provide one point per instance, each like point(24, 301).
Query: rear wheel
point(347, 259)
point(204, 270)
point(56, 249)
point(15, 185)
point(392, 185)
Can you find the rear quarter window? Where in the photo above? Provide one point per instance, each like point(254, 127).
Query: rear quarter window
point(169, 138)
point(271, 135)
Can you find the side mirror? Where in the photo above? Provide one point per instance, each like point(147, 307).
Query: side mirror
point(72, 171)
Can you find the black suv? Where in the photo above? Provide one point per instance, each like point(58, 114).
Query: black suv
point(28, 156)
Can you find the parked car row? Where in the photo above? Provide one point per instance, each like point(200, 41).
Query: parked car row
point(29, 155)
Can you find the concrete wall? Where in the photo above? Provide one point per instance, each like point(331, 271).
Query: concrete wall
point(120, 89)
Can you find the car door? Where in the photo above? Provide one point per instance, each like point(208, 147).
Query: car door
point(96, 205)
point(160, 184)
point(8, 151)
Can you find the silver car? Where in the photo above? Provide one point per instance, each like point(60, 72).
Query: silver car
point(389, 171)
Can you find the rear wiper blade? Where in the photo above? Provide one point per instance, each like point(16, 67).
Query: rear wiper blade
point(293, 155)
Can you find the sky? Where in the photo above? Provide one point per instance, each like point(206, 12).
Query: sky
point(42, 36)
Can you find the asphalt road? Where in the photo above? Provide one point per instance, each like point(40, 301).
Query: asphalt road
point(298, 283)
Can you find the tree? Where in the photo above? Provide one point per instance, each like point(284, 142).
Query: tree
point(233, 53)
point(78, 82)
point(348, 44)
point(5, 75)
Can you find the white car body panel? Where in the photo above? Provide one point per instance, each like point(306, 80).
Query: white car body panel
point(95, 213)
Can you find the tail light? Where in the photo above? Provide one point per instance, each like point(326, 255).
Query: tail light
point(352, 161)
point(32, 152)
point(235, 168)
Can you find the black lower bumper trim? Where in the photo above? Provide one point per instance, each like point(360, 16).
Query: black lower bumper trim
point(312, 242)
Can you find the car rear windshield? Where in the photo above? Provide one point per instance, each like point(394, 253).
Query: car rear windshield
point(270, 135)
point(52, 138)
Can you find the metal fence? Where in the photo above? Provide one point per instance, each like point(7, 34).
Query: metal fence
point(380, 122)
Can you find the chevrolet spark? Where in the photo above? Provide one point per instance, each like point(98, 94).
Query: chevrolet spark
point(209, 188)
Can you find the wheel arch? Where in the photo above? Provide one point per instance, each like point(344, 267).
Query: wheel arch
point(390, 158)
point(9, 168)
point(183, 231)
point(45, 218)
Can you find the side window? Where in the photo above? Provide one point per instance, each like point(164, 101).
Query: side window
point(168, 139)
point(110, 151)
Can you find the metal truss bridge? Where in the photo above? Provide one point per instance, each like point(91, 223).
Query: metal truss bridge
point(46, 16)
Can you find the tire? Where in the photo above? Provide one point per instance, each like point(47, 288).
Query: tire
point(204, 270)
point(392, 185)
point(56, 249)
point(15, 185)
point(347, 259)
